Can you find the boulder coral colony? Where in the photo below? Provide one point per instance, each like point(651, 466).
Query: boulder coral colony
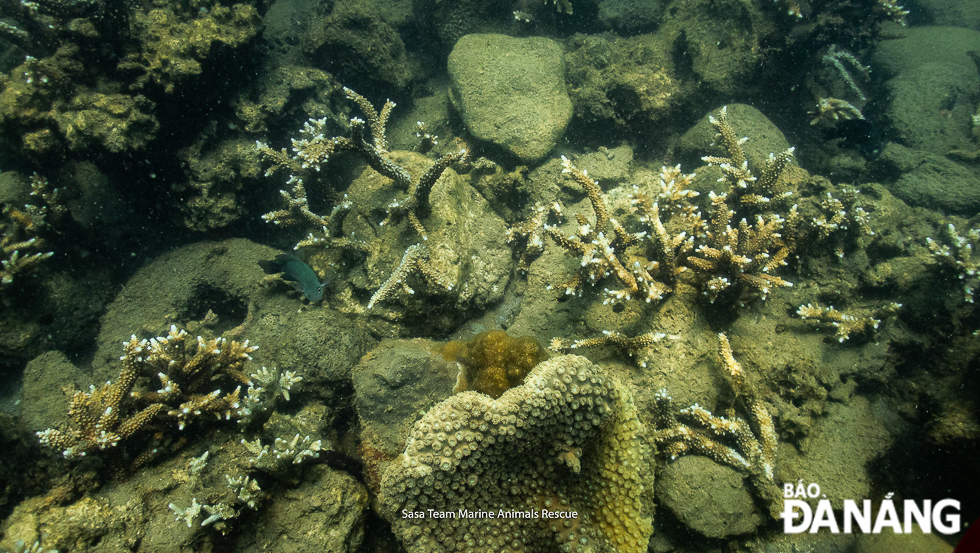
point(474, 181)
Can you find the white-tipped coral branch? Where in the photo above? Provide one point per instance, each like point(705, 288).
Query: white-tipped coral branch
point(738, 261)
point(312, 150)
point(748, 444)
point(636, 347)
point(846, 324)
point(415, 260)
point(746, 189)
point(957, 257)
point(645, 263)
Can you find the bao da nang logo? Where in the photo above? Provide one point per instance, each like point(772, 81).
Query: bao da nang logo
point(799, 516)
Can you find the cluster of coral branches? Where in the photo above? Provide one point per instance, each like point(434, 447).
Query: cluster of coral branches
point(669, 235)
point(753, 438)
point(189, 371)
point(20, 228)
point(311, 152)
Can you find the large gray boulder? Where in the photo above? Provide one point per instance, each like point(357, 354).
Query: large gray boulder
point(511, 92)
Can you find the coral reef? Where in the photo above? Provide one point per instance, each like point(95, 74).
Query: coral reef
point(748, 191)
point(493, 362)
point(313, 150)
point(460, 254)
point(566, 440)
point(736, 262)
point(754, 436)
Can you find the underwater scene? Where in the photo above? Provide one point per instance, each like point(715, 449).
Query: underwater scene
point(413, 276)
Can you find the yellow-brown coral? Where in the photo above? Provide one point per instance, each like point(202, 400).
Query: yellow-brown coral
point(565, 441)
point(493, 362)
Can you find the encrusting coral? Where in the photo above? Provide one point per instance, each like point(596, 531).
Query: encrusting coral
point(754, 436)
point(493, 362)
point(567, 440)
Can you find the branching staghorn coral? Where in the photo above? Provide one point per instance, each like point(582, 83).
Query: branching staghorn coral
point(753, 439)
point(737, 262)
point(839, 59)
point(747, 191)
point(646, 263)
point(102, 417)
point(957, 257)
point(313, 149)
point(19, 230)
point(245, 493)
point(528, 235)
point(415, 260)
point(265, 388)
point(846, 324)
point(282, 453)
point(843, 219)
point(892, 10)
point(829, 111)
point(635, 346)
point(188, 370)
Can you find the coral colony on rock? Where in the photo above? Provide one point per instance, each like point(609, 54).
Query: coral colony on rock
point(581, 276)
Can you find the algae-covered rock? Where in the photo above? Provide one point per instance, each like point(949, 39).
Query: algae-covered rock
point(355, 43)
point(915, 541)
point(327, 512)
point(932, 105)
point(215, 179)
point(616, 82)
point(393, 385)
point(840, 446)
point(289, 92)
point(511, 92)
point(708, 498)
point(43, 400)
point(115, 122)
point(930, 180)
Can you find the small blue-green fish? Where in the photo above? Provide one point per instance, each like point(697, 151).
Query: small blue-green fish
point(299, 274)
